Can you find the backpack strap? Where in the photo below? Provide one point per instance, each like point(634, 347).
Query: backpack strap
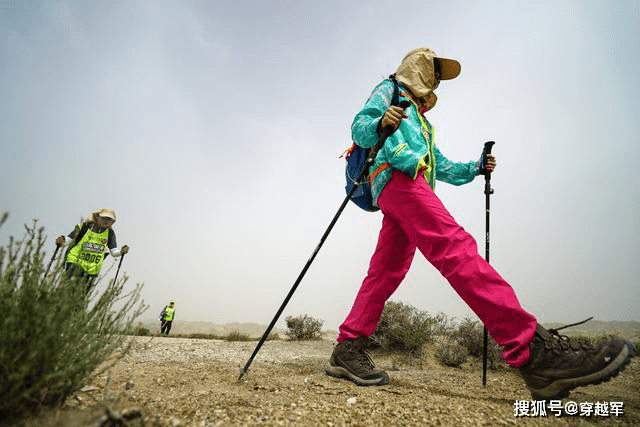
point(83, 231)
point(395, 98)
point(76, 240)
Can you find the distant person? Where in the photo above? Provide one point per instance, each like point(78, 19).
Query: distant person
point(169, 314)
point(89, 243)
point(402, 179)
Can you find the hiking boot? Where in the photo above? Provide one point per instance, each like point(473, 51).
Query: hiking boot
point(350, 360)
point(559, 364)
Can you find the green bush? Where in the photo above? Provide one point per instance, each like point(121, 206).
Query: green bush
point(303, 328)
point(54, 334)
point(404, 328)
point(470, 335)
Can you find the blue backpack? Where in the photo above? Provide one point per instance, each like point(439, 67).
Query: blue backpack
point(356, 160)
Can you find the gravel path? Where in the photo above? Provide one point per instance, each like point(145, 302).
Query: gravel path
point(176, 382)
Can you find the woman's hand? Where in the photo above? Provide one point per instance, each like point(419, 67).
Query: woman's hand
point(490, 163)
point(392, 117)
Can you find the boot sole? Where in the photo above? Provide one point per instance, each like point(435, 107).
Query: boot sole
point(561, 388)
point(338, 372)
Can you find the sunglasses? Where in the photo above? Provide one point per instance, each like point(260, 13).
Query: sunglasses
point(436, 69)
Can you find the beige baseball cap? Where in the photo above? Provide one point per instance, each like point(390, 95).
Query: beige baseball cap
point(107, 213)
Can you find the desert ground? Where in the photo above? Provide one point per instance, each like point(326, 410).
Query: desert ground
point(182, 382)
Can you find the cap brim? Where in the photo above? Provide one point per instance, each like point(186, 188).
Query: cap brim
point(107, 213)
point(449, 68)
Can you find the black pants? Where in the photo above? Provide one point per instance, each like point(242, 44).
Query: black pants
point(74, 270)
point(166, 327)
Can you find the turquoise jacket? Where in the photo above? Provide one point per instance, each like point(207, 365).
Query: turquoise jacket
point(409, 149)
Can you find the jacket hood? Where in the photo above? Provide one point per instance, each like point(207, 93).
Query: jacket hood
point(417, 73)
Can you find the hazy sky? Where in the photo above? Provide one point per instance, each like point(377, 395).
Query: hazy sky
point(214, 129)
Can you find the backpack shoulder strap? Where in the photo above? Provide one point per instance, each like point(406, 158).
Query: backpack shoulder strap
point(83, 231)
point(395, 99)
point(79, 236)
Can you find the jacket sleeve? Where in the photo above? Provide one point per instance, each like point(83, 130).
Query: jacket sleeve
point(365, 124)
point(456, 173)
point(397, 148)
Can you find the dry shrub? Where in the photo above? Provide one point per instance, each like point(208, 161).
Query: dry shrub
point(451, 353)
point(470, 335)
point(303, 328)
point(404, 328)
point(54, 334)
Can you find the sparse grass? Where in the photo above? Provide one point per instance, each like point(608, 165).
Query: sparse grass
point(54, 334)
point(303, 327)
point(198, 336)
point(237, 336)
point(232, 336)
point(141, 331)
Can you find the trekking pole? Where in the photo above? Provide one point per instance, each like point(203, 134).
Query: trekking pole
point(372, 155)
point(51, 261)
point(488, 191)
point(118, 269)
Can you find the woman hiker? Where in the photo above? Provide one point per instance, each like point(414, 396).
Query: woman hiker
point(89, 242)
point(402, 180)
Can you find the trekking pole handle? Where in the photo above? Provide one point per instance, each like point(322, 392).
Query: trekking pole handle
point(486, 150)
point(487, 175)
point(384, 134)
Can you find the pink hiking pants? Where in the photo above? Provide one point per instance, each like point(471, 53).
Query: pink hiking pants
point(414, 217)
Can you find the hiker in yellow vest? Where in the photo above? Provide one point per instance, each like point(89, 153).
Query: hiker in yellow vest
point(88, 245)
point(169, 314)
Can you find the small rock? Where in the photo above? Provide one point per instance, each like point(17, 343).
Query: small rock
point(129, 385)
point(88, 388)
point(352, 401)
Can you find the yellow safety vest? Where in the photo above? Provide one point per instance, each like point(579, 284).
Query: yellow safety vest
point(89, 252)
point(169, 314)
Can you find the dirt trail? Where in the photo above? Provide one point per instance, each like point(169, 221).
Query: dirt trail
point(188, 382)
